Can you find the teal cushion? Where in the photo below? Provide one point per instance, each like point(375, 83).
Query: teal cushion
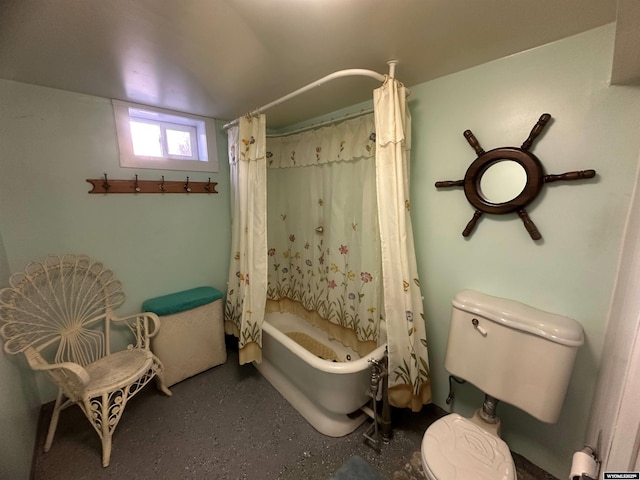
point(181, 301)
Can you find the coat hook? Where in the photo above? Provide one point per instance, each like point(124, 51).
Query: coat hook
point(136, 187)
point(186, 185)
point(161, 186)
point(105, 184)
point(207, 187)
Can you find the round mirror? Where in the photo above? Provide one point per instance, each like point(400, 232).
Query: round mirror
point(506, 180)
point(502, 182)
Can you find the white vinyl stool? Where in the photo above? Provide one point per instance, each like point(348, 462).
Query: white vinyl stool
point(191, 335)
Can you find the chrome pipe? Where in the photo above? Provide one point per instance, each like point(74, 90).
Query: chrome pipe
point(488, 412)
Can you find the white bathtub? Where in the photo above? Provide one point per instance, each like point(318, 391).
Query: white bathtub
point(329, 395)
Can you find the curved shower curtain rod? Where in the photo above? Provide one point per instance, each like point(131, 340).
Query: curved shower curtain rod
point(353, 72)
point(330, 121)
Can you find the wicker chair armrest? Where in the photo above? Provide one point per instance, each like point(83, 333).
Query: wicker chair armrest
point(72, 378)
point(71, 369)
point(144, 326)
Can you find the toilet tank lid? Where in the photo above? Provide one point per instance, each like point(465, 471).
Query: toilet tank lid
point(512, 314)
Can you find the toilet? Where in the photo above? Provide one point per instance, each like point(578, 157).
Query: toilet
point(513, 353)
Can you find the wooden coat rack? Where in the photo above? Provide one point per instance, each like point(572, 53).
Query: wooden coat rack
point(106, 185)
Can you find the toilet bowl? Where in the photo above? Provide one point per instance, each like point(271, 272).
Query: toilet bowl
point(513, 353)
point(457, 448)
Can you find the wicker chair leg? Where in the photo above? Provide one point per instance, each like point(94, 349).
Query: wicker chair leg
point(160, 385)
point(106, 449)
point(105, 415)
point(53, 424)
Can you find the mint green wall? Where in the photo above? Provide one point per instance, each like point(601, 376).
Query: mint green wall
point(572, 270)
point(19, 406)
point(51, 141)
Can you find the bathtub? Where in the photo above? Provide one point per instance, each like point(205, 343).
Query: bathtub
point(328, 394)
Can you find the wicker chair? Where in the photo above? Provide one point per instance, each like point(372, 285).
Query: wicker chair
point(59, 314)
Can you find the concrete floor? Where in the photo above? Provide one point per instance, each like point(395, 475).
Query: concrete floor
point(227, 423)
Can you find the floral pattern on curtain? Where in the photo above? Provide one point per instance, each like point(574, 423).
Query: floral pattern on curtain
point(409, 377)
point(324, 250)
point(246, 295)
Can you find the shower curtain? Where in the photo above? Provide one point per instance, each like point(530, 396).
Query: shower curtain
point(409, 378)
point(324, 253)
point(340, 244)
point(246, 295)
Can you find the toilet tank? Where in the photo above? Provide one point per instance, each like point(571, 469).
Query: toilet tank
point(516, 353)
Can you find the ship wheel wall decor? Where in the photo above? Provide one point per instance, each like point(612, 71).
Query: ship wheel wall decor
point(487, 197)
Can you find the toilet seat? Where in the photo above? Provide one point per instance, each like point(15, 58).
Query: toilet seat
point(455, 448)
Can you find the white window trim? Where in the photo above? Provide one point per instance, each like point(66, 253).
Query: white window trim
point(206, 141)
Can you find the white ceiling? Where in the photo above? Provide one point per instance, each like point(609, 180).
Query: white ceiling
point(222, 58)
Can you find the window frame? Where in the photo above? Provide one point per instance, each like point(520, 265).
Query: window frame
point(191, 130)
point(207, 160)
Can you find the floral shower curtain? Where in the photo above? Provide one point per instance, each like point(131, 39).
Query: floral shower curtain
point(340, 247)
point(324, 249)
point(409, 379)
point(246, 295)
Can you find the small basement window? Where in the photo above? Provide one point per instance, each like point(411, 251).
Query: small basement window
point(151, 137)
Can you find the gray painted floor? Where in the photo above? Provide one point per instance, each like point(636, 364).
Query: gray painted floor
point(226, 423)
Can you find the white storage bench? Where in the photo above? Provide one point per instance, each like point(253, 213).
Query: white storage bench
point(191, 335)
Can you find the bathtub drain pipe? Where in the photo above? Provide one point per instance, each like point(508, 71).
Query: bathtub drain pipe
point(385, 421)
point(381, 426)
